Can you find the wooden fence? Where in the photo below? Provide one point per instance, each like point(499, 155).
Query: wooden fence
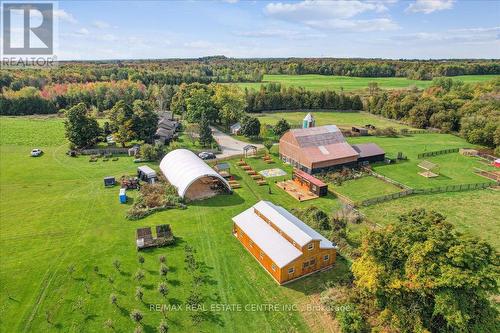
point(387, 179)
point(98, 151)
point(441, 189)
point(438, 152)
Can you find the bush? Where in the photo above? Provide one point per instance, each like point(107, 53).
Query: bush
point(351, 320)
point(136, 315)
point(281, 127)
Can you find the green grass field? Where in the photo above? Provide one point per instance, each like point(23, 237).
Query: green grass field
point(341, 119)
point(326, 82)
point(454, 168)
point(473, 212)
point(55, 213)
point(372, 187)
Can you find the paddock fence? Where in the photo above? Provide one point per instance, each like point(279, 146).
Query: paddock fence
point(431, 190)
point(437, 152)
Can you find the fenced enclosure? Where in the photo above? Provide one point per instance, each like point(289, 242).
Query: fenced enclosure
point(103, 151)
point(437, 152)
point(441, 189)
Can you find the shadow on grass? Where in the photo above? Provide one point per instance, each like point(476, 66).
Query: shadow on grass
point(124, 312)
point(317, 282)
point(223, 200)
point(174, 283)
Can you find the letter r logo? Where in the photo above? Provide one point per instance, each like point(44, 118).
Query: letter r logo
point(28, 28)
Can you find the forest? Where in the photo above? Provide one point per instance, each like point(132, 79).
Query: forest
point(450, 106)
point(221, 69)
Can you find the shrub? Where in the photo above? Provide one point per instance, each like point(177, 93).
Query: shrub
point(163, 270)
point(141, 259)
point(351, 320)
point(117, 264)
point(139, 275)
point(139, 293)
point(163, 289)
point(136, 315)
point(163, 327)
point(113, 299)
point(162, 259)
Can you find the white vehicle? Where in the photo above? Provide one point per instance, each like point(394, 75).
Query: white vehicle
point(36, 152)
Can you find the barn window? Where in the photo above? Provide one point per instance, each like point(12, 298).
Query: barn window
point(305, 265)
point(261, 255)
point(291, 270)
point(310, 246)
point(273, 266)
point(251, 244)
point(326, 257)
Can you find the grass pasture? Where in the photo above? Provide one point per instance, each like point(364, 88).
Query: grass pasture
point(341, 119)
point(365, 188)
point(56, 214)
point(454, 168)
point(347, 83)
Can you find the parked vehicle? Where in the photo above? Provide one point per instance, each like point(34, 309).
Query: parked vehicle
point(206, 155)
point(36, 152)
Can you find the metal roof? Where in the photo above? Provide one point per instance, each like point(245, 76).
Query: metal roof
point(147, 171)
point(368, 149)
point(317, 136)
point(281, 251)
point(182, 168)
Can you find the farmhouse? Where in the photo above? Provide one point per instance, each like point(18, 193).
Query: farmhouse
point(316, 149)
point(192, 177)
point(284, 245)
point(167, 127)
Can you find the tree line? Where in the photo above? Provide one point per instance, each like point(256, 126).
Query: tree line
point(220, 69)
point(449, 105)
point(275, 97)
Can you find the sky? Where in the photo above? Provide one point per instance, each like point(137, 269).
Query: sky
point(411, 29)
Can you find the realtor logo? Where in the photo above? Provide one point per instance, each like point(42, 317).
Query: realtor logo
point(28, 34)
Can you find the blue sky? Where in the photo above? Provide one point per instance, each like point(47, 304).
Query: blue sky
point(189, 29)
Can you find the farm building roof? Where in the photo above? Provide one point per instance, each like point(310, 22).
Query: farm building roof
point(281, 251)
point(309, 177)
point(317, 136)
point(182, 168)
point(324, 144)
point(368, 149)
point(147, 171)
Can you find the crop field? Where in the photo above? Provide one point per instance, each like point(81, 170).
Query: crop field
point(58, 223)
point(341, 119)
point(331, 82)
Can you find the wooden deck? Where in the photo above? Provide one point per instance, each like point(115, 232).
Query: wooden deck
point(296, 191)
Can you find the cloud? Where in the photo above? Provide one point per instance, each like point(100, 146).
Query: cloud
point(308, 9)
point(199, 44)
point(101, 24)
point(429, 6)
point(280, 33)
point(82, 31)
point(379, 24)
point(334, 15)
point(64, 16)
point(465, 35)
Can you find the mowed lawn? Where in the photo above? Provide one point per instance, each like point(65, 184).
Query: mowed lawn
point(454, 168)
point(364, 188)
point(333, 82)
point(56, 214)
point(341, 119)
point(471, 212)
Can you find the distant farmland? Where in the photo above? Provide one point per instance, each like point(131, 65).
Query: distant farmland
point(325, 82)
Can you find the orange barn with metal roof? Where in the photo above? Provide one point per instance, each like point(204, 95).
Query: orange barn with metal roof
point(316, 149)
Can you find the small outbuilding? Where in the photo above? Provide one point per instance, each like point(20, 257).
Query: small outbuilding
point(310, 183)
point(361, 130)
point(146, 174)
point(308, 121)
point(193, 178)
point(109, 181)
point(235, 129)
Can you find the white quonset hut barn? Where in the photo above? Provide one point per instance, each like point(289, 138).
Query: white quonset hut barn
point(193, 178)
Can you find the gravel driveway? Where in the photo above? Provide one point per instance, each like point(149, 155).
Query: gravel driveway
point(229, 145)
